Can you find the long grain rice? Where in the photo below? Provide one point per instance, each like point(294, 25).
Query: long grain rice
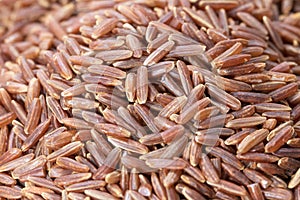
point(149, 99)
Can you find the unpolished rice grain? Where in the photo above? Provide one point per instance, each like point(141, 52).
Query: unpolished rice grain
point(208, 169)
point(99, 195)
point(189, 112)
point(246, 122)
point(68, 163)
point(264, 107)
point(72, 178)
point(215, 121)
point(109, 163)
point(295, 180)
point(145, 186)
point(112, 130)
point(173, 107)
point(206, 112)
point(246, 111)
point(65, 151)
point(294, 142)
point(107, 71)
point(170, 84)
point(44, 183)
point(133, 162)
point(16, 162)
point(142, 85)
point(190, 193)
point(233, 50)
point(226, 156)
point(195, 95)
point(36, 190)
point(232, 85)
point(104, 27)
point(157, 186)
point(223, 97)
point(229, 187)
point(47, 195)
point(146, 116)
point(184, 76)
point(283, 152)
point(278, 193)
point(166, 136)
point(199, 20)
point(19, 111)
point(159, 53)
point(236, 138)
point(7, 118)
point(98, 156)
point(258, 157)
point(24, 168)
point(202, 188)
point(85, 185)
point(129, 145)
point(114, 55)
point(186, 50)
point(269, 168)
point(195, 152)
point(235, 174)
point(130, 86)
point(257, 177)
point(10, 155)
point(252, 139)
point(75, 123)
point(252, 21)
point(279, 139)
point(232, 60)
point(38, 132)
point(284, 92)
point(56, 109)
point(149, 99)
point(277, 129)
point(10, 193)
point(255, 191)
point(252, 97)
point(7, 179)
